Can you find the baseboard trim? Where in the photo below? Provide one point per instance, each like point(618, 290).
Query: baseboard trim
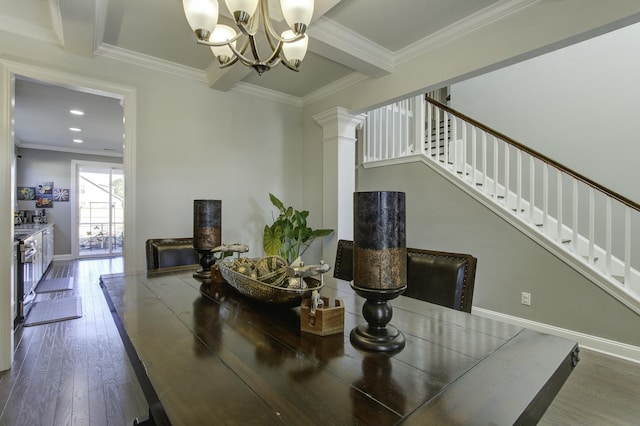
point(594, 343)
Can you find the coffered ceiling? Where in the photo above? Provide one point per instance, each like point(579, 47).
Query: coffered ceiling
point(348, 39)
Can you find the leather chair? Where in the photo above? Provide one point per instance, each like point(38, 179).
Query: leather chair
point(443, 278)
point(343, 267)
point(171, 254)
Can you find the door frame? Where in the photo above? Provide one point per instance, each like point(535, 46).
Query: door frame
point(8, 70)
point(75, 168)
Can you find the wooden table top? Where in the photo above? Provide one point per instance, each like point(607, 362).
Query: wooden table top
point(212, 355)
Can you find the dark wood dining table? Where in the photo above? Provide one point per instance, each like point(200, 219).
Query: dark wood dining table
point(205, 354)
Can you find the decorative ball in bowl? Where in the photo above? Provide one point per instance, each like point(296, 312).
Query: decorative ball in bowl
point(267, 280)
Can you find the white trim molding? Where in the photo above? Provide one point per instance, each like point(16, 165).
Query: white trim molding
point(595, 343)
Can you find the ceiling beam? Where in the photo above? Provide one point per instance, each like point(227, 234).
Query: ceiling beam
point(333, 41)
point(81, 31)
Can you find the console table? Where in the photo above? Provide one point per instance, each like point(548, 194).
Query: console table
point(204, 354)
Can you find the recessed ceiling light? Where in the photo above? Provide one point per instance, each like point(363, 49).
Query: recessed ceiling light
point(75, 129)
point(76, 112)
point(78, 140)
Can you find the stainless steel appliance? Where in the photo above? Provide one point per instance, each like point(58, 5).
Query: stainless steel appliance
point(29, 272)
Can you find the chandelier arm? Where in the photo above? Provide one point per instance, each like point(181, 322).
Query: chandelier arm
point(219, 43)
point(248, 31)
point(231, 62)
point(243, 59)
point(286, 64)
point(254, 49)
point(266, 24)
point(276, 53)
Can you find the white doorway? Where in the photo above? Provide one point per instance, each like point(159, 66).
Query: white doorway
point(99, 190)
point(8, 71)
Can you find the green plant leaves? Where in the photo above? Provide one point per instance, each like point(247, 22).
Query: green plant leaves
point(289, 236)
point(272, 239)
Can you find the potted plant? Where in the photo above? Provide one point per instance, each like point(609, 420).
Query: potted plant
point(289, 236)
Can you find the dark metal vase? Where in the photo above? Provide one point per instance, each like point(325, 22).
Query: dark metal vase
point(379, 266)
point(207, 234)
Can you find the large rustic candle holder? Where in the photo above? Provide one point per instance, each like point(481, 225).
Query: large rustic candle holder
point(379, 266)
point(207, 234)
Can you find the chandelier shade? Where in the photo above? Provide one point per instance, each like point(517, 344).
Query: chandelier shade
point(223, 33)
point(202, 15)
point(230, 46)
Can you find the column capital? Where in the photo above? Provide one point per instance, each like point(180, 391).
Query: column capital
point(338, 122)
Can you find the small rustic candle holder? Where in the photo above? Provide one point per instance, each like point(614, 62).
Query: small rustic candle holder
point(207, 234)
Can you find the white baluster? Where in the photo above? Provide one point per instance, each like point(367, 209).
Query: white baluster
point(474, 156)
point(592, 227)
point(559, 203)
point(519, 181)
point(495, 168)
point(437, 145)
point(545, 195)
point(532, 187)
point(627, 248)
point(429, 128)
point(454, 142)
point(484, 162)
point(464, 150)
point(575, 217)
point(608, 223)
point(445, 143)
point(506, 175)
point(407, 126)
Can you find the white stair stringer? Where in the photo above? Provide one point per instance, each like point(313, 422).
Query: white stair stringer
point(574, 255)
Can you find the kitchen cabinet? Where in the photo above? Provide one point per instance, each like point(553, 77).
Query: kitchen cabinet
point(14, 283)
point(47, 247)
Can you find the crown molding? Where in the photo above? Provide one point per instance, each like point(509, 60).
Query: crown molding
point(147, 61)
point(261, 92)
point(334, 87)
point(466, 25)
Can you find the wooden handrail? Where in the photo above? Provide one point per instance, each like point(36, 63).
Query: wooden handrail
point(627, 202)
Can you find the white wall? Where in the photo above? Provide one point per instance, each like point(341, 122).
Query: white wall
point(577, 105)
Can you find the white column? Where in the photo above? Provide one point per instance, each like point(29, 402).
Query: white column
point(338, 175)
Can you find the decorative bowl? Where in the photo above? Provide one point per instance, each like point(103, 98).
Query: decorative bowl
point(264, 292)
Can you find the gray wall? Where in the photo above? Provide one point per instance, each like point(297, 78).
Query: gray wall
point(440, 216)
point(37, 166)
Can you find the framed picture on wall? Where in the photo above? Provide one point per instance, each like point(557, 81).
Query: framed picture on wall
point(26, 193)
point(45, 188)
point(44, 201)
point(60, 194)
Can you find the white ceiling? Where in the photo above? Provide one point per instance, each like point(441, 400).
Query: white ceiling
point(347, 37)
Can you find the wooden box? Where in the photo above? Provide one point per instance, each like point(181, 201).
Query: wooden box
point(325, 321)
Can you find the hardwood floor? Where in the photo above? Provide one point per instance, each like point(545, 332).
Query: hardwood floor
point(72, 372)
point(77, 373)
point(602, 390)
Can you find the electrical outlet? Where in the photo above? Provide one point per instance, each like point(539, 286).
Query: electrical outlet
point(526, 298)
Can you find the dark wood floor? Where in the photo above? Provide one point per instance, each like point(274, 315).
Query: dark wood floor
point(72, 372)
point(76, 372)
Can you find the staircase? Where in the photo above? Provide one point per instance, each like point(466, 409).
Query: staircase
point(584, 224)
